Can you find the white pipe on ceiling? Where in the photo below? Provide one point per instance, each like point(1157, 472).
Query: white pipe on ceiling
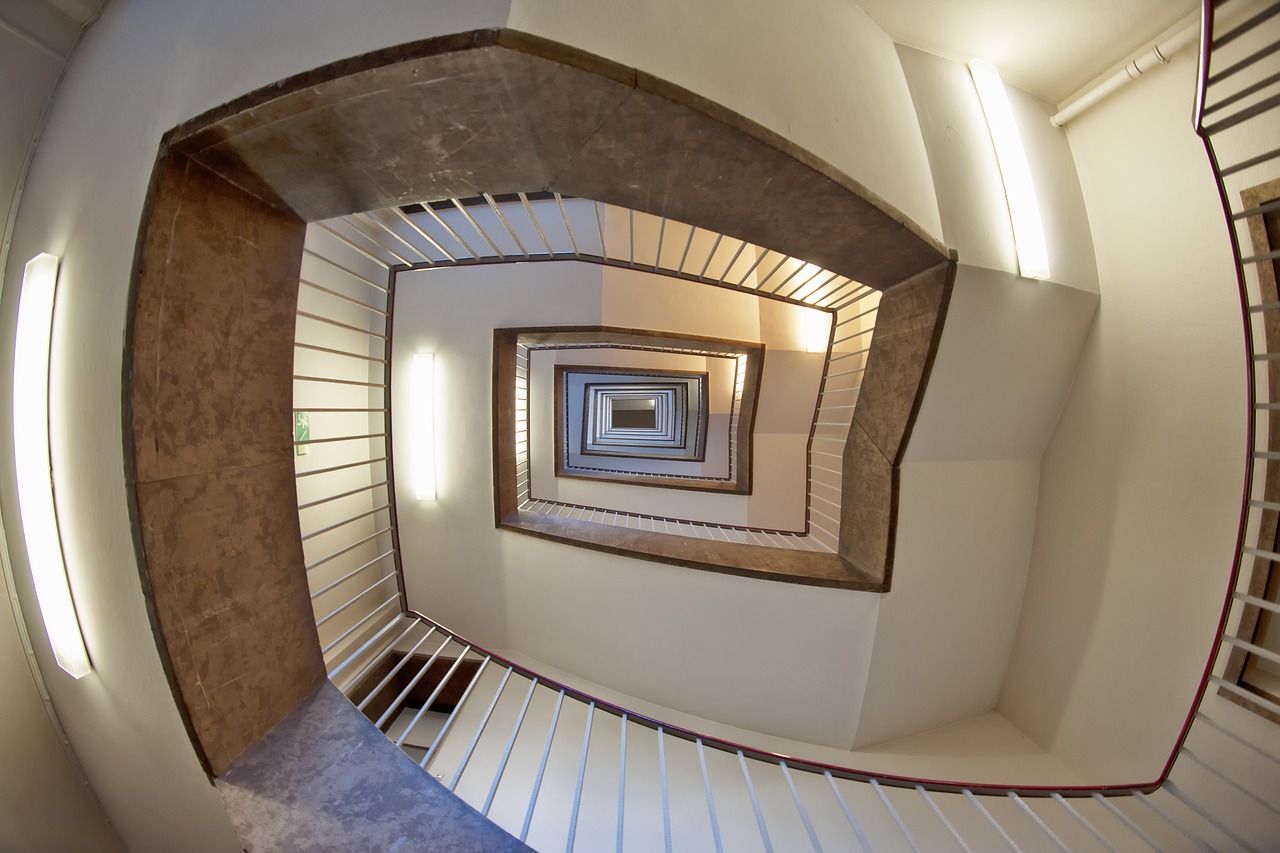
point(1158, 54)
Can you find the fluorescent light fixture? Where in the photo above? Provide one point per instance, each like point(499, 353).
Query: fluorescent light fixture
point(35, 476)
point(817, 330)
point(423, 428)
point(1019, 191)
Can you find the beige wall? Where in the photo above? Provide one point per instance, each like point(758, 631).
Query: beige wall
point(1140, 485)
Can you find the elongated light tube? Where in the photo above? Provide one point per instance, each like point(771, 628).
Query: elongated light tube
point(35, 476)
point(423, 428)
point(1019, 190)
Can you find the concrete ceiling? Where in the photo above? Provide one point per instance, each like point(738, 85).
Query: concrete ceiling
point(1050, 48)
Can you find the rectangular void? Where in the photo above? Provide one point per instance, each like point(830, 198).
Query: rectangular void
point(630, 414)
point(590, 441)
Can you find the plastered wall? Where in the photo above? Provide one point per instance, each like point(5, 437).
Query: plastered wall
point(1139, 487)
point(143, 68)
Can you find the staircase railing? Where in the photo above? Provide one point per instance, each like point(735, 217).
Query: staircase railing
point(563, 769)
point(343, 468)
point(548, 227)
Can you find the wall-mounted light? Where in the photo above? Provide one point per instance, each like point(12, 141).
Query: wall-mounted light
point(35, 477)
point(817, 330)
point(423, 428)
point(1019, 190)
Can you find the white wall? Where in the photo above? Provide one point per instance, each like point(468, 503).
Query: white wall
point(693, 641)
point(1005, 362)
point(836, 89)
point(453, 558)
point(1010, 345)
point(44, 804)
point(144, 67)
point(1008, 355)
point(1140, 485)
point(946, 628)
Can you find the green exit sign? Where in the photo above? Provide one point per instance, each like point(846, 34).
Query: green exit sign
point(301, 433)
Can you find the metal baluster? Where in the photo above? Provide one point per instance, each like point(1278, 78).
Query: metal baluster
point(942, 817)
point(1201, 717)
point(1190, 803)
point(804, 815)
point(848, 813)
point(622, 780)
point(716, 245)
point(1127, 821)
point(742, 245)
point(711, 804)
point(345, 239)
point(1228, 780)
point(401, 664)
point(378, 222)
point(484, 721)
point(475, 679)
point(484, 234)
point(368, 644)
point(354, 220)
point(604, 250)
point(542, 766)
point(582, 771)
point(441, 249)
point(568, 227)
point(1038, 822)
point(498, 212)
point(344, 522)
point(991, 820)
point(430, 211)
point(528, 209)
point(435, 694)
point(906, 833)
point(342, 608)
point(362, 278)
point(515, 732)
point(755, 804)
point(1093, 830)
point(1172, 821)
point(360, 624)
point(344, 297)
point(742, 281)
point(349, 575)
point(666, 801)
point(685, 254)
point(793, 274)
point(367, 488)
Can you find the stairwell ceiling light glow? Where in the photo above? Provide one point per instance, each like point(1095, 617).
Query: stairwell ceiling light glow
point(422, 395)
point(817, 330)
point(1019, 190)
point(35, 477)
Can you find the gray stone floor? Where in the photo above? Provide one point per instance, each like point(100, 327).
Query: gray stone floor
point(324, 779)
